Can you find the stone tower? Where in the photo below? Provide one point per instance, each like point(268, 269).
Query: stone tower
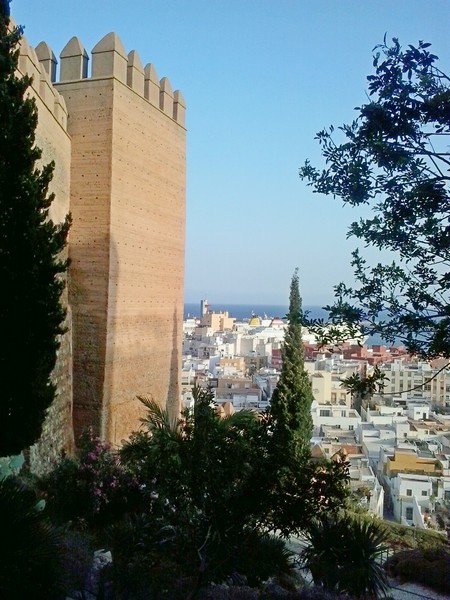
point(127, 161)
point(127, 200)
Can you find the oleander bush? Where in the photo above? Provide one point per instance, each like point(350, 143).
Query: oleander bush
point(92, 488)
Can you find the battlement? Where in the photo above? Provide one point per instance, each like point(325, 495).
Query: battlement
point(40, 64)
point(108, 60)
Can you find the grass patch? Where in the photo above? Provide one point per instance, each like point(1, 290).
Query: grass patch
point(403, 537)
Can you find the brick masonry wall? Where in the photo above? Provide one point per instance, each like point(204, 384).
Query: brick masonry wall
point(90, 126)
point(146, 261)
point(54, 141)
point(127, 254)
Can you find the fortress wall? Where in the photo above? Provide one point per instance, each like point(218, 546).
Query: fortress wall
point(51, 132)
point(127, 240)
point(147, 260)
point(90, 125)
point(53, 139)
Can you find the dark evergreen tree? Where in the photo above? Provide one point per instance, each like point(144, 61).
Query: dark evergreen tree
point(31, 270)
point(290, 406)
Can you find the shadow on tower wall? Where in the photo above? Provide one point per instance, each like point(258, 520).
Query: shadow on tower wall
point(88, 295)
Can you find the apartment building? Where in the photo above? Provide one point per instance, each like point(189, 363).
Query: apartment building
point(418, 380)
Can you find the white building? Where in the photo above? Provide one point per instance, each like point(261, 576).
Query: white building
point(410, 495)
point(363, 482)
point(340, 417)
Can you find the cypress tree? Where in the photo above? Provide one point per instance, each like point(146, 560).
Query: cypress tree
point(290, 406)
point(31, 267)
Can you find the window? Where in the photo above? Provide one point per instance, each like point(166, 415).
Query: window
point(343, 413)
point(409, 492)
point(350, 427)
point(424, 493)
point(324, 413)
point(409, 513)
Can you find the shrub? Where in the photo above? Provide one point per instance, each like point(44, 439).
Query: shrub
point(30, 547)
point(93, 487)
point(208, 493)
point(428, 567)
point(344, 555)
point(404, 537)
point(77, 551)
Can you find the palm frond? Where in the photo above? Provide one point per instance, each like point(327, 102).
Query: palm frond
point(157, 418)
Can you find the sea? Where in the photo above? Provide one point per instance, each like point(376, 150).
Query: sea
point(245, 311)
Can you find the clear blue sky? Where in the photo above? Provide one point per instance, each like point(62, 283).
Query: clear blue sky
point(260, 78)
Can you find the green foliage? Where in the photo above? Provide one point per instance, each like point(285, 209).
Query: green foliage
point(290, 405)
point(202, 481)
point(214, 491)
point(31, 272)
point(297, 487)
point(300, 489)
point(76, 554)
point(30, 548)
point(262, 556)
point(404, 537)
point(215, 488)
point(395, 160)
point(363, 388)
point(148, 562)
point(92, 488)
point(343, 555)
point(11, 465)
point(145, 559)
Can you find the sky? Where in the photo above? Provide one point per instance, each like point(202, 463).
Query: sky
point(260, 78)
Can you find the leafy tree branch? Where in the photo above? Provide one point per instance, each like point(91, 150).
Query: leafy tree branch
point(394, 159)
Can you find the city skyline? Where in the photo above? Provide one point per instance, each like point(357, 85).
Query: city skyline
point(260, 78)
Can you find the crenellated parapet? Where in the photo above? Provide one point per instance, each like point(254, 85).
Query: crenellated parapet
point(40, 64)
point(74, 61)
point(108, 60)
